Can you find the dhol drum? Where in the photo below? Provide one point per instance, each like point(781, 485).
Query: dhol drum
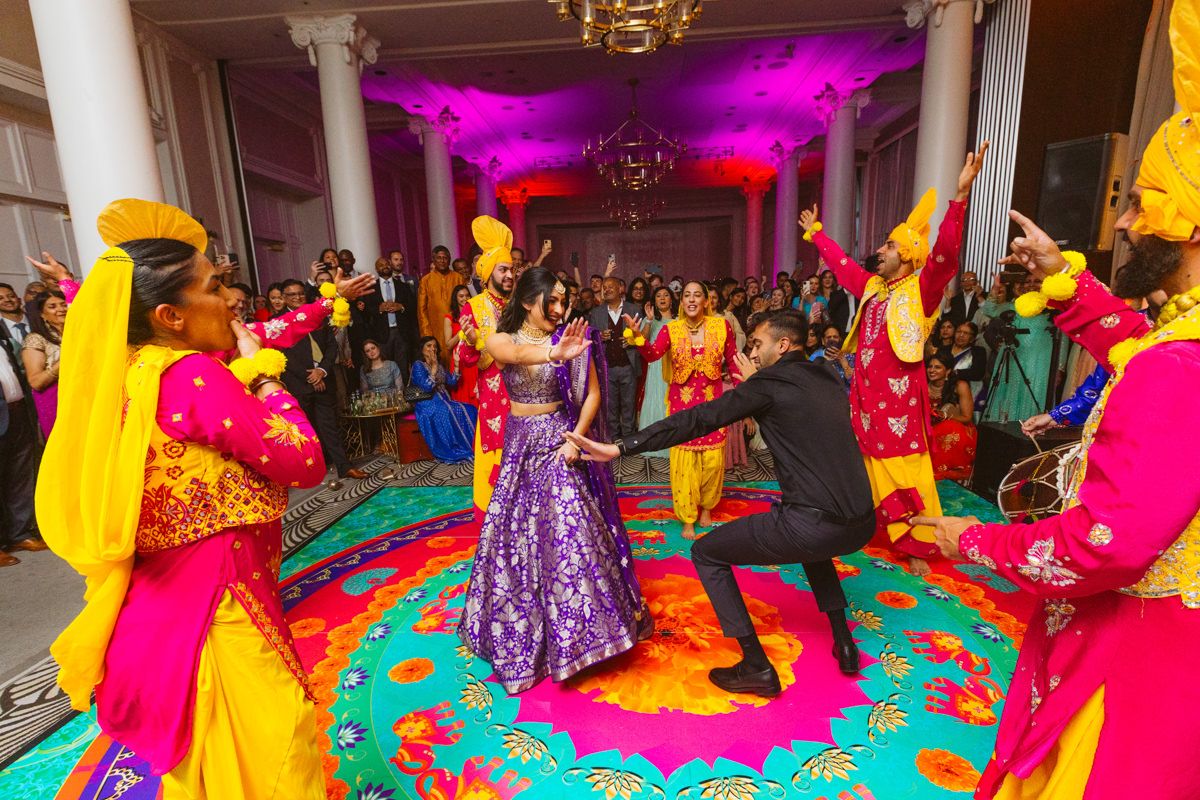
point(1036, 487)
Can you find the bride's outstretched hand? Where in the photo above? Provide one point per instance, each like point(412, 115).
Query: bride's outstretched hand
point(592, 450)
point(573, 342)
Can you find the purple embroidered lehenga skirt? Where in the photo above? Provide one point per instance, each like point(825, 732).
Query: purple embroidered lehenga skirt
point(552, 590)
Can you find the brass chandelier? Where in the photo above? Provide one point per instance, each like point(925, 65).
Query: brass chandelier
point(633, 210)
point(636, 155)
point(630, 27)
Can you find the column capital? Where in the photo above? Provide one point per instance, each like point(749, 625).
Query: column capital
point(445, 123)
point(342, 29)
point(830, 101)
point(492, 169)
point(780, 154)
point(515, 197)
point(758, 186)
point(916, 11)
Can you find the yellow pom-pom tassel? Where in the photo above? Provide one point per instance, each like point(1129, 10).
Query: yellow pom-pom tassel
point(1059, 286)
point(244, 370)
point(328, 291)
point(639, 341)
point(1120, 353)
point(628, 334)
point(1076, 262)
point(816, 228)
point(1030, 304)
point(270, 362)
point(341, 306)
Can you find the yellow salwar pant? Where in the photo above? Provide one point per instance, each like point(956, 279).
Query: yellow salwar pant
point(254, 733)
point(485, 465)
point(888, 475)
point(1063, 775)
point(697, 480)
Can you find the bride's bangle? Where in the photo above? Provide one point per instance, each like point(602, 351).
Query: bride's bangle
point(549, 359)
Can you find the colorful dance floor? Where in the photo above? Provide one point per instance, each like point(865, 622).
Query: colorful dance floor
point(407, 712)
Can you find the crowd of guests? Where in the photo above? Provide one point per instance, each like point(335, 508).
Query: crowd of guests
point(401, 341)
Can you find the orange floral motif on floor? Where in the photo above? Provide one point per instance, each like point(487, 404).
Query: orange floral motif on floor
point(309, 626)
point(947, 770)
point(440, 542)
point(670, 671)
point(896, 599)
point(411, 670)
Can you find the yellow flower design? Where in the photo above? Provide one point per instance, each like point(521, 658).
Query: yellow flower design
point(868, 619)
point(614, 783)
point(524, 746)
point(283, 431)
point(885, 716)
point(829, 763)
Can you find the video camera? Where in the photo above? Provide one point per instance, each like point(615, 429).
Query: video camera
point(1003, 330)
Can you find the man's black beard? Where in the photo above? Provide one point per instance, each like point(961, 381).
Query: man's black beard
point(498, 289)
point(1151, 261)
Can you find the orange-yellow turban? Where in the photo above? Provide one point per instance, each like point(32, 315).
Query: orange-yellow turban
point(912, 235)
point(495, 239)
point(1170, 171)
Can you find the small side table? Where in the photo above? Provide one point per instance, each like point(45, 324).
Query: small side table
point(354, 434)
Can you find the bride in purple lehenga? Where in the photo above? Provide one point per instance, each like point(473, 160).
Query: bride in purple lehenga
point(552, 589)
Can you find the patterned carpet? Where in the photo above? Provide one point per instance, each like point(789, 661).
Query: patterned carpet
point(408, 714)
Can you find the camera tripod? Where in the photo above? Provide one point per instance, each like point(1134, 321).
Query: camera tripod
point(1004, 361)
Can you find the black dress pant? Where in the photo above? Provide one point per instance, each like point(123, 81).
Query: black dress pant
point(321, 410)
point(18, 474)
point(787, 534)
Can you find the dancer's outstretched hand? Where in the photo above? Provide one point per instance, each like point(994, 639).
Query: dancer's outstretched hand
point(1035, 251)
point(352, 288)
point(592, 450)
point(808, 218)
point(970, 171)
point(946, 532)
point(573, 343)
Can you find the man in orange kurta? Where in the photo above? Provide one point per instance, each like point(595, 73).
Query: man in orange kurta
point(433, 298)
point(889, 395)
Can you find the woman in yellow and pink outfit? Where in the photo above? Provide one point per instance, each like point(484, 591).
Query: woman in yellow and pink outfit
point(699, 347)
point(163, 485)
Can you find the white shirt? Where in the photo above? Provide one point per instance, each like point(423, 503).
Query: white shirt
point(10, 384)
point(387, 293)
point(17, 335)
point(615, 314)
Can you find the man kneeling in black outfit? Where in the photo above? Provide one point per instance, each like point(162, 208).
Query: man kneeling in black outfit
point(826, 508)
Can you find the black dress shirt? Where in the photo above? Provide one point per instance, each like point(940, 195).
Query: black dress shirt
point(805, 420)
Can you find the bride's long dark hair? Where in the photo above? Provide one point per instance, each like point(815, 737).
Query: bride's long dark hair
point(536, 282)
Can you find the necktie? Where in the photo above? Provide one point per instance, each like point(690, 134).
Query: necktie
point(22, 329)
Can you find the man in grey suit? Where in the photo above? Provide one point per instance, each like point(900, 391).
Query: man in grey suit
point(18, 457)
point(624, 362)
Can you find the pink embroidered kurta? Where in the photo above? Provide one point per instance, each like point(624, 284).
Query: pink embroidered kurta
point(696, 370)
point(888, 396)
point(147, 697)
point(493, 395)
point(1140, 491)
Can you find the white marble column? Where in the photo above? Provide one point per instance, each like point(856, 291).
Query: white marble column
point(945, 94)
point(98, 106)
point(485, 187)
point(338, 47)
point(840, 112)
point(435, 135)
point(754, 191)
point(787, 210)
point(515, 200)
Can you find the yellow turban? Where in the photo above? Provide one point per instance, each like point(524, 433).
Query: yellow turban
point(89, 492)
point(1170, 171)
point(495, 239)
point(912, 235)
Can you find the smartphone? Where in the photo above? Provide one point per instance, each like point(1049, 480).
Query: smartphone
point(612, 257)
point(233, 258)
point(574, 259)
point(546, 243)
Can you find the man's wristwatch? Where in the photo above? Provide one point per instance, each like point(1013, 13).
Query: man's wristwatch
point(620, 443)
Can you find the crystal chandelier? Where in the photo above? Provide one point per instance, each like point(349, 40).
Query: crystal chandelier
point(633, 210)
point(630, 27)
point(636, 155)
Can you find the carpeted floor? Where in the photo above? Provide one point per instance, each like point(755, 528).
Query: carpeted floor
point(374, 600)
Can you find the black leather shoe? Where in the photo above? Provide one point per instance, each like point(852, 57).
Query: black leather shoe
point(846, 654)
point(739, 679)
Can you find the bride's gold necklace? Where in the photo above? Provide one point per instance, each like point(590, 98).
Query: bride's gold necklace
point(693, 328)
point(534, 335)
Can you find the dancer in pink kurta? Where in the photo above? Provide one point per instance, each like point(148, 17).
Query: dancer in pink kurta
point(889, 395)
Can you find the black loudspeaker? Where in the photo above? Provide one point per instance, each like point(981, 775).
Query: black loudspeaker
point(1001, 444)
point(1081, 190)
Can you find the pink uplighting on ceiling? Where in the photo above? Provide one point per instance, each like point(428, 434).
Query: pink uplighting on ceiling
point(532, 110)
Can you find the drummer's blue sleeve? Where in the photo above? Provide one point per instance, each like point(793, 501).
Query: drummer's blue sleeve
point(1076, 408)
